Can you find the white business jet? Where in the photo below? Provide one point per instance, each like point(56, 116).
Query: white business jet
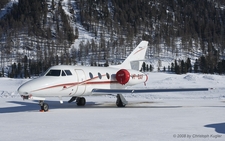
point(77, 82)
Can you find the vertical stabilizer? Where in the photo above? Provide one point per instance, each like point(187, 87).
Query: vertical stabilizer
point(133, 61)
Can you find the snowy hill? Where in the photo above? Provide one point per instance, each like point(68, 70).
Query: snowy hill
point(83, 32)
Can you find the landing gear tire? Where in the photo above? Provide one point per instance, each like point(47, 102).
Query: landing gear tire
point(44, 106)
point(81, 101)
point(119, 102)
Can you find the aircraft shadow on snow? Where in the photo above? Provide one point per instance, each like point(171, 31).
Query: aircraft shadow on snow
point(219, 127)
point(26, 106)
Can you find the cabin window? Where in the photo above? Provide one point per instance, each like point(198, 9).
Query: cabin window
point(91, 75)
point(53, 73)
point(63, 73)
point(68, 72)
point(99, 76)
point(107, 75)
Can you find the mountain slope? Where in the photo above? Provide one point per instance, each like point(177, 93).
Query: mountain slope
point(50, 32)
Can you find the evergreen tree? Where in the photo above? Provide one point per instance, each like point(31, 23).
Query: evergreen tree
point(188, 65)
point(168, 69)
point(106, 63)
point(220, 68)
point(172, 67)
point(151, 68)
point(143, 66)
point(19, 69)
point(203, 64)
point(177, 68)
point(3, 73)
point(223, 66)
point(196, 65)
point(25, 66)
point(57, 59)
point(183, 67)
point(14, 70)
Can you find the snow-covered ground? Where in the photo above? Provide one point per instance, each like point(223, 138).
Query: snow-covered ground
point(157, 116)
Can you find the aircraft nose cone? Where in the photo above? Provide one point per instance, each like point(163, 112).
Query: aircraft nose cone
point(22, 90)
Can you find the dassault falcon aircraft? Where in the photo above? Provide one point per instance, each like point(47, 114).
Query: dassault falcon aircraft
point(77, 82)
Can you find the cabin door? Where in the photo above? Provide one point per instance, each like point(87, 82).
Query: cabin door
point(81, 87)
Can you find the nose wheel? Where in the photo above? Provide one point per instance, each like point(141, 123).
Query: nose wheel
point(44, 106)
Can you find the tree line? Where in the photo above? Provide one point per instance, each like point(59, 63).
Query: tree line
point(201, 65)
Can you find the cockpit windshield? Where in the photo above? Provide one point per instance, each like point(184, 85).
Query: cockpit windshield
point(53, 73)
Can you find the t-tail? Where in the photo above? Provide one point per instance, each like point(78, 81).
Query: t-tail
point(135, 59)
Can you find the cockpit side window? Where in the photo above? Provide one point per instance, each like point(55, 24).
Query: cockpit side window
point(53, 73)
point(63, 73)
point(68, 72)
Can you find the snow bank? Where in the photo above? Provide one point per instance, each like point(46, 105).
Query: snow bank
point(9, 86)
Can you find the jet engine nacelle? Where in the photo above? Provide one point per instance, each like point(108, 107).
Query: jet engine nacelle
point(130, 77)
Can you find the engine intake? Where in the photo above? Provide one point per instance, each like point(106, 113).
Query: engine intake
point(123, 76)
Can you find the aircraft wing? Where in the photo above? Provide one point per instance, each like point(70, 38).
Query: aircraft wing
point(130, 91)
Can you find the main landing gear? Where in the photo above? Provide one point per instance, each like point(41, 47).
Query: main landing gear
point(121, 101)
point(81, 101)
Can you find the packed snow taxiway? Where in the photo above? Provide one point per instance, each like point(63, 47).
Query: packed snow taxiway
point(155, 116)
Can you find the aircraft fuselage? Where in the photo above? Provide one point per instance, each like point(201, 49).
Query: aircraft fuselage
point(68, 81)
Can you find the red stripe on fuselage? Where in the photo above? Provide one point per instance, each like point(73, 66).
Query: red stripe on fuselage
point(69, 85)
